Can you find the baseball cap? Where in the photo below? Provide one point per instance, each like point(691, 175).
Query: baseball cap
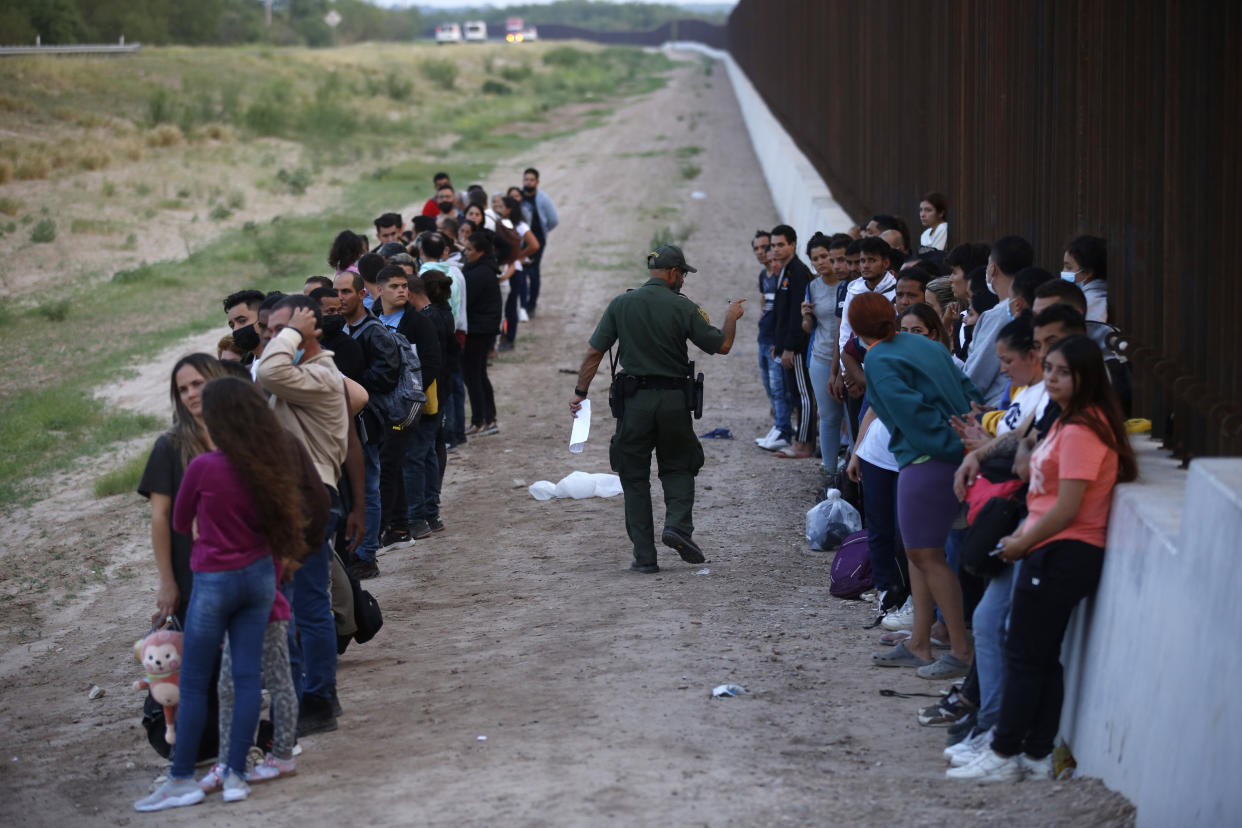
point(668, 255)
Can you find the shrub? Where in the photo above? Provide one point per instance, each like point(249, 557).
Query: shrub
point(219, 213)
point(56, 310)
point(516, 74)
point(219, 132)
point(6, 170)
point(443, 73)
point(9, 205)
point(297, 181)
point(108, 189)
point(161, 107)
point(690, 171)
point(398, 87)
point(494, 87)
point(94, 157)
point(165, 135)
point(267, 115)
point(236, 200)
point(565, 57)
point(44, 231)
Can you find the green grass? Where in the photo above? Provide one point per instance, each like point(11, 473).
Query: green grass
point(688, 152)
point(94, 227)
point(123, 479)
point(690, 171)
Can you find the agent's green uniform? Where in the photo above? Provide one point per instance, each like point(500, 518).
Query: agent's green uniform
point(653, 324)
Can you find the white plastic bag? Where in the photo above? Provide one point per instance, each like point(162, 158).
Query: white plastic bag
point(577, 485)
point(831, 521)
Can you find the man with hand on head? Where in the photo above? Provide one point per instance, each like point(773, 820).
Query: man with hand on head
point(309, 398)
point(656, 392)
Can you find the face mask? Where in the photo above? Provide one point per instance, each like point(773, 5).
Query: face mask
point(445, 206)
point(332, 324)
point(1069, 275)
point(297, 356)
point(246, 338)
point(991, 289)
point(528, 190)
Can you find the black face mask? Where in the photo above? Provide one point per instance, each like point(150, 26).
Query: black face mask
point(246, 338)
point(445, 206)
point(530, 191)
point(332, 324)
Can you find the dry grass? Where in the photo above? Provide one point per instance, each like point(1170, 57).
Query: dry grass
point(6, 170)
point(94, 156)
point(217, 132)
point(10, 104)
point(34, 165)
point(165, 135)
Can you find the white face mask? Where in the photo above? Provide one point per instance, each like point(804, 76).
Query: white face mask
point(991, 287)
point(1069, 275)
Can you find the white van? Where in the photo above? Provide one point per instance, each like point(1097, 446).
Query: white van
point(448, 33)
point(476, 31)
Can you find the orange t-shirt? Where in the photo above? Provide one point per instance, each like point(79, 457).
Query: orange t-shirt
point(1073, 452)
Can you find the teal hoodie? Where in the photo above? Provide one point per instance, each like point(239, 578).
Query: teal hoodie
point(914, 387)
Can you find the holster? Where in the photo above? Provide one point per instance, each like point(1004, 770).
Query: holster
point(694, 393)
point(622, 388)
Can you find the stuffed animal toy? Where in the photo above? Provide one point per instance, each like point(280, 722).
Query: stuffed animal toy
point(160, 655)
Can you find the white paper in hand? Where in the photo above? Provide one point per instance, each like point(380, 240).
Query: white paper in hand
point(582, 428)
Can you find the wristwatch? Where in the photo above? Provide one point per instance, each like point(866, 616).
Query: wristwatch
point(580, 392)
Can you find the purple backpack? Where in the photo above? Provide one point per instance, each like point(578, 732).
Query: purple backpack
point(851, 568)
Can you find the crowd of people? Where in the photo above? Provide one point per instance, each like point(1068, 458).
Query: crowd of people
point(316, 437)
point(971, 404)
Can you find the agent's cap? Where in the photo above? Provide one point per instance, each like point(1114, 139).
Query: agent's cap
point(668, 256)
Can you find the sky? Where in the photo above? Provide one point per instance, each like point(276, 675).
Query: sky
point(457, 4)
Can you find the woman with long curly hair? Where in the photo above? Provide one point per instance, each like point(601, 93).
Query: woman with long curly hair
point(243, 502)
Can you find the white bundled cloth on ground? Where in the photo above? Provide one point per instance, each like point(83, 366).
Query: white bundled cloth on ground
point(577, 485)
point(831, 521)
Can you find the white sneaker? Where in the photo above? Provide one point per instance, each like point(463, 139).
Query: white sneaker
point(771, 435)
point(774, 445)
point(989, 766)
point(965, 751)
point(1036, 768)
point(235, 788)
point(523, 316)
point(174, 793)
point(901, 618)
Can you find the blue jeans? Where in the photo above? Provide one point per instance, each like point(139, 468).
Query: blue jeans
point(774, 386)
point(517, 295)
point(884, 547)
point(455, 416)
point(236, 601)
point(830, 413)
point(312, 609)
point(991, 620)
point(422, 470)
point(375, 512)
point(532, 283)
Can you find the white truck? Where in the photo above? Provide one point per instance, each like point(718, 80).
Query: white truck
point(476, 31)
point(448, 33)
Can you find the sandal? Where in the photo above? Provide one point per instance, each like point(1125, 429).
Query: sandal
point(473, 430)
point(899, 656)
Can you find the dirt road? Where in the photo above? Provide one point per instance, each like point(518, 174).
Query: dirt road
point(520, 623)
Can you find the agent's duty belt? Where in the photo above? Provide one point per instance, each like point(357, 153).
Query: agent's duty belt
point(662, 383)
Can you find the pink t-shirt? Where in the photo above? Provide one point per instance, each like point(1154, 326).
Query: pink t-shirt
point(1073, 452)
point(280, 606)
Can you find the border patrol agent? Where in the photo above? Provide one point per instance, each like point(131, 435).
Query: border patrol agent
point(656, 392)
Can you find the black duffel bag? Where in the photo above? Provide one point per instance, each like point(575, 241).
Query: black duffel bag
point(999, 518)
